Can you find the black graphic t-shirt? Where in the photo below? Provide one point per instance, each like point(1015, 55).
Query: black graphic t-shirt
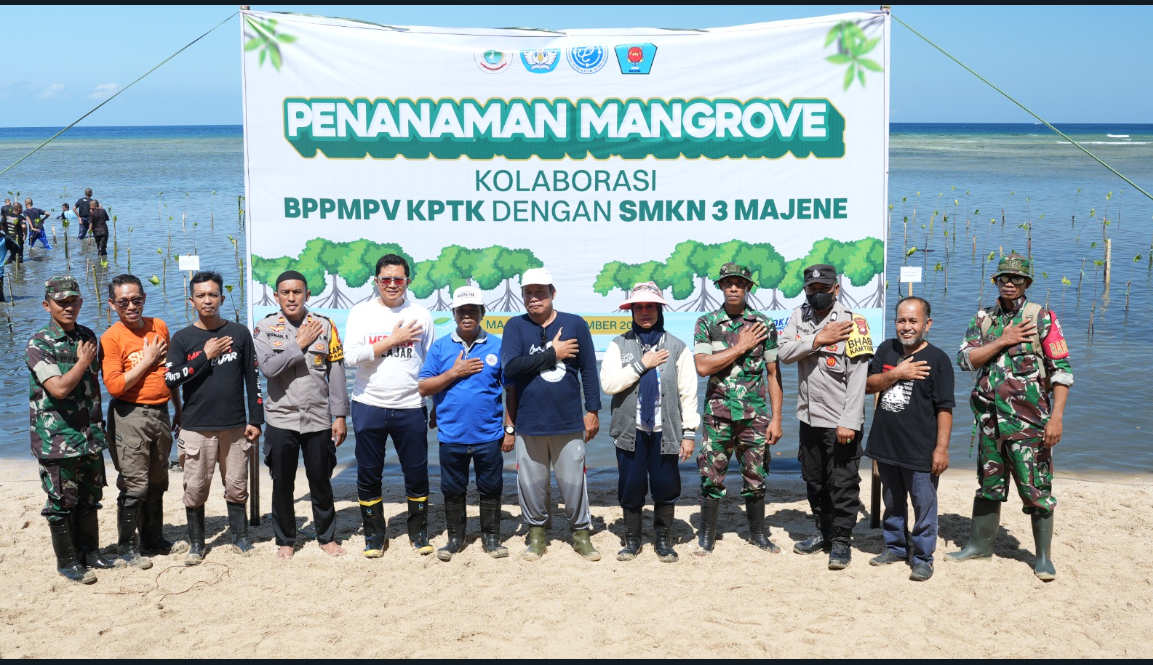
point(904, 431)
point(214, 390)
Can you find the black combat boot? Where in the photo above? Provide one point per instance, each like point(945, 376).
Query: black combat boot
point(663, 532)
point(195, 518)
point(490, 527)
point(418, 526)
point(67, 561)
point(758, 531)
point(707, 535)
point(126, 551)
point(238, 525)
point(632, 536)
point(1043, 539)
point(842, 552)
point(3, 298)
point(822, 542)
point(152, 542)
point(86, 536)
point(375, 536)
point(982, 534)
point(456, 520)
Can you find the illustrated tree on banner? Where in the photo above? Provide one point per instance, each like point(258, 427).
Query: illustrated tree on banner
point(619, 275)
point(496, 264)
point(449, 270)
point(265, 271)
point(690, 261)
point(357, 259)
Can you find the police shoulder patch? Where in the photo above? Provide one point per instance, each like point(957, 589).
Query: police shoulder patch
point(860, 342)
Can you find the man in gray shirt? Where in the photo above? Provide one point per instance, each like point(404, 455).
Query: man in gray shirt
point(831, 347)
point(300, 354)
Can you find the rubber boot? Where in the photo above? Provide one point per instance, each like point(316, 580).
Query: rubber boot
point(152, 542)
point(822, 542)
point(375, 536)
point(758, 532)
point(67, 561)
point(490, 527)
point(632, 536)
point(195, 518)
point(536, 544)
point(3, 298)
point(86, 537)
point(1043, 539)
point(707, 535)
point(986, 520)
point(584, 546)
point(126, 553)
point(418, 526)
point(238, 525)
point(663, 530)
point(842, 551)
point(456, 519)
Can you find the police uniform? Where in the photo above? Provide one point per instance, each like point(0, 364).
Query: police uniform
point(306, 390)
point(68, 440)
point(830, 394)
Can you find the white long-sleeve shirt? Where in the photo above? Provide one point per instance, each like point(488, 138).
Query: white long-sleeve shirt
point(388, 381)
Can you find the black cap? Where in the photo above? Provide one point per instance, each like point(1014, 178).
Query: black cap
point(822, 273)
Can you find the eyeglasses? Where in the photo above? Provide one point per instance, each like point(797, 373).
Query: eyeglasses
point(1005, 279)
point(392, 280)
point(124, 302)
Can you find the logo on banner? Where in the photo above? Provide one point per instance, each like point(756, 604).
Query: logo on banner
point(587, 59)
point(636, 58)
point(541, 60)
point(493, 61)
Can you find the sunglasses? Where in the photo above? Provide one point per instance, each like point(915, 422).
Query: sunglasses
point(391, 280)
point(1005, 279)
point(124, 302)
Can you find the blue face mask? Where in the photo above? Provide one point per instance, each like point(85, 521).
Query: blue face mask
point(820, 301)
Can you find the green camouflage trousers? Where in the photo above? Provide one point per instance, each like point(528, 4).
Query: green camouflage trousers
point(1031, 465)
point(722, 437)
point(71, 483)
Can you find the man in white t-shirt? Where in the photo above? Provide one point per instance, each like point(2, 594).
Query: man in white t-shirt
point(387, 340)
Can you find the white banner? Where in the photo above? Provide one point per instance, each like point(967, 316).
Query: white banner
point(607, 156)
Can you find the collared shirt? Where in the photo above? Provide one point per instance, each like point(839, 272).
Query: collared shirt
point(471, 409)
point(737, 392)
point(830, 384)
point(71, 426)
point(305, 389)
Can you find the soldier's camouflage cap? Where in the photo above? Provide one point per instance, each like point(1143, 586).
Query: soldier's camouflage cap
point(59, 288)
point(1014, 264)
point(731, 269)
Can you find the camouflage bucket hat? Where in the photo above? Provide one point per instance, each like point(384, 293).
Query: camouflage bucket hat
point(731, 269)
point(1014, 264)
point(59, 288)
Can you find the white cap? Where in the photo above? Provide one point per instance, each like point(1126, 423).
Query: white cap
point(466, 295)
point(536, 276)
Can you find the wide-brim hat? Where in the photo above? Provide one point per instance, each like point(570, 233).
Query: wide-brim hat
point(644, 292)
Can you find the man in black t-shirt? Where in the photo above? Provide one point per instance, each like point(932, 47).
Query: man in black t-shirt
point(98, 221)
point(213, 362)
point(83, 207)
point(910, 435)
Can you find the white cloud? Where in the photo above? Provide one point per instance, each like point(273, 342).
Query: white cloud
point(104, 90)
point(54, 91)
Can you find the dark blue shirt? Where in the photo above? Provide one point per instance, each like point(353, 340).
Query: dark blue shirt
point(471, 409)
point(548, 393)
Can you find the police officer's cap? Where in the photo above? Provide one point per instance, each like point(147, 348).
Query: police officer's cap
point(822, 273)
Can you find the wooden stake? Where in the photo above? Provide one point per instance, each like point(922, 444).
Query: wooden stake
point(1108, 259)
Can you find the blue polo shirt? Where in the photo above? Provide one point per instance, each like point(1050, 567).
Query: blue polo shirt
point(470, 410)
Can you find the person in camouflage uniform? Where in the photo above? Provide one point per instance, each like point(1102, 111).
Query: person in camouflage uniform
point(67, 430)
point(1023, 380)
point(736, 347)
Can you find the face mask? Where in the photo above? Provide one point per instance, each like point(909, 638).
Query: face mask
point(820, 301)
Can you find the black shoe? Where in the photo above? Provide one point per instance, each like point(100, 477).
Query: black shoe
point(758, 532)
point(456, 520)
point(490, 527)
point(152, 542)
point(86, 537)
point(822, 542)
point(632, 536)
point(238, 525)
point(127, 553)
point(418, 525)
point(921, 571)
point(842, 551)
point(707, 536)
point(195, 518)
point(67, 561)
point(375, 536)
point(885, 558)
point(663, 531)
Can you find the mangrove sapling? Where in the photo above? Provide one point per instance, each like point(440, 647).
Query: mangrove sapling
point(1073, 218)
point(212, 213)
point(1065, 284)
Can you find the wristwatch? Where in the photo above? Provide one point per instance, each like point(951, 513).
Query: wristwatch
point(510, 430)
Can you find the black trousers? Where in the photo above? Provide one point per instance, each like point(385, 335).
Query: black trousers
point(284, 449)
point(101, 242)
point(832, 475)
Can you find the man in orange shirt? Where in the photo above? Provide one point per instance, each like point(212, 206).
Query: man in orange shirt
point(133, 354)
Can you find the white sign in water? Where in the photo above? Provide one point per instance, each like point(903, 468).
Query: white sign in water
point(910, 274)
point(189, 263)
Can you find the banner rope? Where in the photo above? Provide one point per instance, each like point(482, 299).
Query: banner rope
point(1025, 108)
point(117, 94)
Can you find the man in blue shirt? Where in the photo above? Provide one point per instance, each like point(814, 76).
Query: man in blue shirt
point(543, 352)
point(463, 374)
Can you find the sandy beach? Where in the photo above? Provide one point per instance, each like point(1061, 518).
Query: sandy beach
point(737, 603)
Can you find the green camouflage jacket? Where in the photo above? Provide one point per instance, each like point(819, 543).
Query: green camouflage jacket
point(69, 427)
point(1010, 399)
point(737, 392)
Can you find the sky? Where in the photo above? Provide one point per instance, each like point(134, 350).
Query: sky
point(1069, 64)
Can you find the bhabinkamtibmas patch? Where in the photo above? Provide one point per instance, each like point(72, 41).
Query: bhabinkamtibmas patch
point(860, 342)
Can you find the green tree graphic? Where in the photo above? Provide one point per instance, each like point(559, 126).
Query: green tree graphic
point(690, 261)
point(498, 264)
point(852, 45)
point(262, 35)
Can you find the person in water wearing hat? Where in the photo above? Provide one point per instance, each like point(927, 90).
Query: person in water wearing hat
point(652, 379)
point(736, 348)
point(1023, 380)
point(300, 355)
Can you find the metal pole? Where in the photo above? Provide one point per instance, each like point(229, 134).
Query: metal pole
point(875, 499)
